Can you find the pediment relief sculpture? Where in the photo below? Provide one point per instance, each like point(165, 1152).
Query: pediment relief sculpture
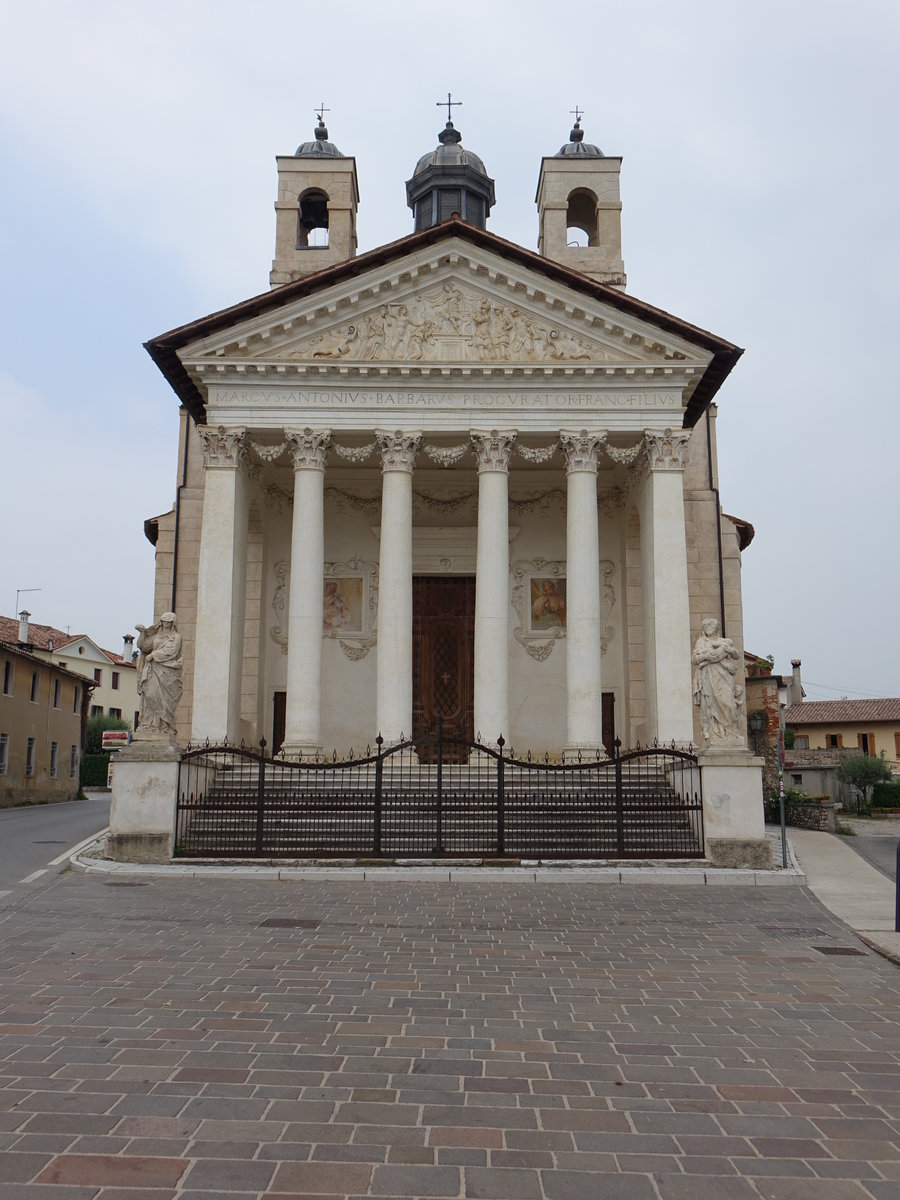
point(448, 324)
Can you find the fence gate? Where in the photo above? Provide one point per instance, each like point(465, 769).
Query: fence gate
point(439, 796)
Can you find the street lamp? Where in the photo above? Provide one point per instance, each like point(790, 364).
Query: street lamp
point(757, 723)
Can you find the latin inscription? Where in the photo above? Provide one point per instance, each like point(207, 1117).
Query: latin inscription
point(303, 398)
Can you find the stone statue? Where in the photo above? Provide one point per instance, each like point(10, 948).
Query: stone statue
point(716, 690)
point(159, 678)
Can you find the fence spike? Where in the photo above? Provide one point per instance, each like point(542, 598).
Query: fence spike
point(379, 742)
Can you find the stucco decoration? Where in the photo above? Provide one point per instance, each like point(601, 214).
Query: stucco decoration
point(537, 454)
point(539, 598)
point(581, 448)
point(398, 449)
point(666, 451)
point(349, 605)
point(346, 501)
point(160, 682)
point(492, 450)
point(448, 324)
point(354, 454)
point(268, 454)
point(446, 456)
point(223, 448)
point(624, 457)
point(716, 690)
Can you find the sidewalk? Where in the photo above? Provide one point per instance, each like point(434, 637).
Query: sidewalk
point(849, 887)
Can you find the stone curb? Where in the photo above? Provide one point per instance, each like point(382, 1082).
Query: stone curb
point(419, 872)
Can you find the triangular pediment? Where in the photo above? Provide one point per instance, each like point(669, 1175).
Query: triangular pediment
point(470, 309)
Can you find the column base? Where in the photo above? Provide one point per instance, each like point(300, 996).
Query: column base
point(753, 853)
point(299, 750)
point(586, 754)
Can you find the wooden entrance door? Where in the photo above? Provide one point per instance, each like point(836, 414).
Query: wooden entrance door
point(444, 656)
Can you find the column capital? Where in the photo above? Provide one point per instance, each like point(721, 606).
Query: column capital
point(666, 451)
point(492, 450)
point(223, 447)
point(581, 448)
point(308, 448)
point(398, 449)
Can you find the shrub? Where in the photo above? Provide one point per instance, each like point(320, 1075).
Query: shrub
point(94, 768)
point(886, 795)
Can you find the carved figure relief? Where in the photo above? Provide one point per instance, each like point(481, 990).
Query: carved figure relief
point(159, 678)
point(716, 690)
point(448, 324)
point(349, 605)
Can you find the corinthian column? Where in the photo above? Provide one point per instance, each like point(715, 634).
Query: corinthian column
point(667, 618)
point(394, 648)
point(303, 717)
point(584, 712)
point(492, 450)
point(221, 584)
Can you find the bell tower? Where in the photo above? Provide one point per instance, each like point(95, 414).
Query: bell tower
point(315, 213)
point(579, 209)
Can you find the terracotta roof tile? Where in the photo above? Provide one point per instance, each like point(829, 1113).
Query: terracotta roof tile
point(834, 712)
point(38, 635)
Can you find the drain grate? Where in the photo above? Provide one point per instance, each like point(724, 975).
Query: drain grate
point(845, 950)
point(790, 931)
point(124, 883)
point(288, 923)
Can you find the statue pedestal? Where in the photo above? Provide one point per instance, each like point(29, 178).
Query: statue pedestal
point(734, 827)
point(142, 812)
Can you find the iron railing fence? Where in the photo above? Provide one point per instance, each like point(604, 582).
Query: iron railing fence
point(408, 801)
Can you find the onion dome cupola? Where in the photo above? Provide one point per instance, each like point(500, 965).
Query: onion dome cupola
point(450, 180)
point(579, 209)
point(315, 213)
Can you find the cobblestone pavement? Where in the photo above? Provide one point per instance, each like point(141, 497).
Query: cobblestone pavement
point(237, 1038)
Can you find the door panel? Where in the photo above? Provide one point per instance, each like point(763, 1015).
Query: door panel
point(443, 656)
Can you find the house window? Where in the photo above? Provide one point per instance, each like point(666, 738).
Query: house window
point(796, 780)
point(73, 762)
point(29, 758)
point(98, 675)
point(7, 677)
point(4, 752)
point(801, 742)
point(75, 698)
point(54, 758)
point(116, 712)
point(57, 691)
point(833, 741)
point(115, 681)
point(137, 719)
point(866, 742)
point(35, 686)
point(96, 710)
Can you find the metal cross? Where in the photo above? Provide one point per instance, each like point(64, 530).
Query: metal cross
point(577, 113)
point(451, 104)
point(321, 110)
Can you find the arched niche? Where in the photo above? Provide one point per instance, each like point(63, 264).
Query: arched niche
point(312, 219)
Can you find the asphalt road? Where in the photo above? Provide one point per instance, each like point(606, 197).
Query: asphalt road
point(31, 837)
point(881, 852)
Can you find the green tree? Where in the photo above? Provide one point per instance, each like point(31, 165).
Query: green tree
point(94, 736)
point(863, 771)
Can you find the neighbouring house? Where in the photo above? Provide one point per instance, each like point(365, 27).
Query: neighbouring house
point(863, 726)
point(114, 676)
point(813, 772)
point(767, 695)
point(43, 714)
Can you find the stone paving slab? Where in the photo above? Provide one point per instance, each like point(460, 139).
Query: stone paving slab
point(250, 1036)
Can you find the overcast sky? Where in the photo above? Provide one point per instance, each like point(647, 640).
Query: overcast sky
point(759, 184)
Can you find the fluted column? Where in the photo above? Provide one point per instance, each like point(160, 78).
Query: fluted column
point(492, 450)
point(667, 617)
point(303, 717)
point(221, 587)
point(394, 648)
point(584, 711)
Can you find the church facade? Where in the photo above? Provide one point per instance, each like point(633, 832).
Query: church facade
point(447, 477)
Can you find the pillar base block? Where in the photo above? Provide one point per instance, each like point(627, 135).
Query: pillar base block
point(300, 750)
point(745, 853)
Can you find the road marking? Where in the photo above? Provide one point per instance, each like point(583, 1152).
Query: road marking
point(33, 876)
point(54, 862)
